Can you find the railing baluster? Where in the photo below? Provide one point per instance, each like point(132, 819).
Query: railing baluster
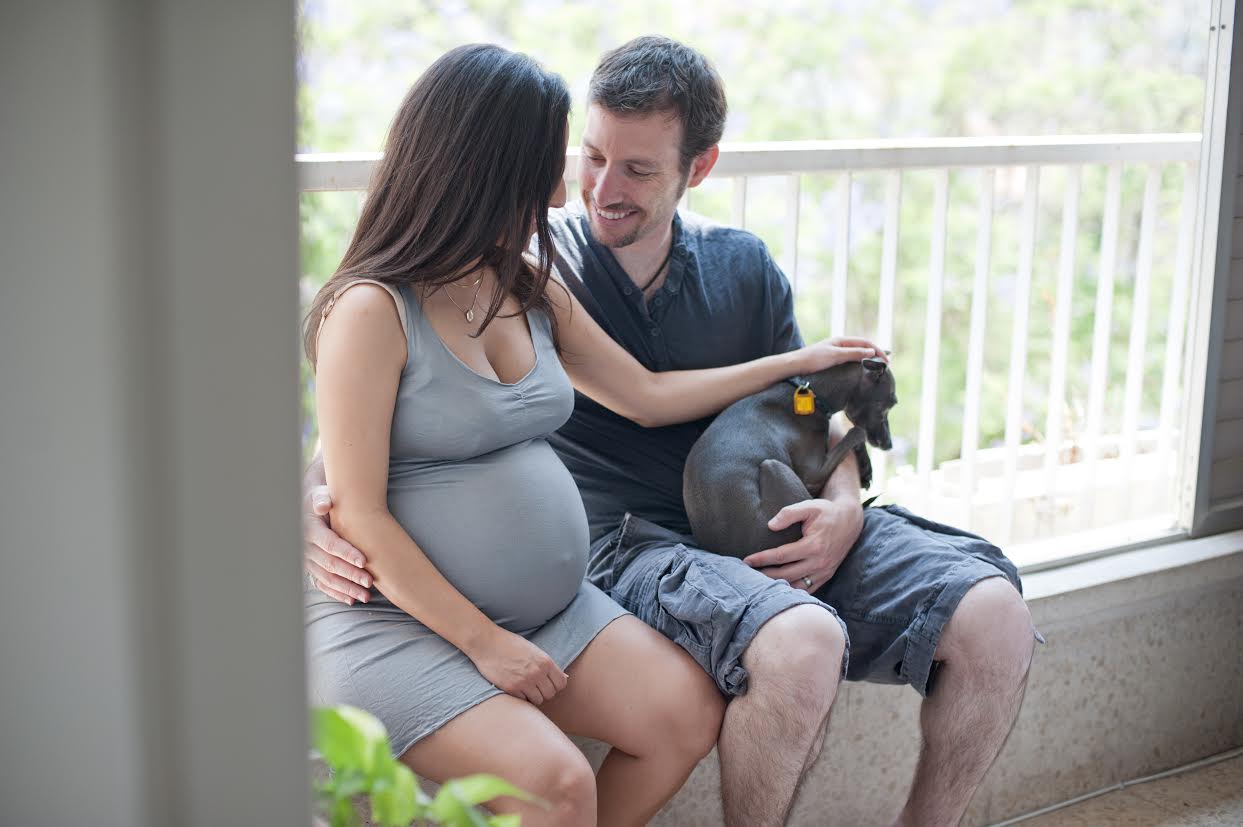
point(889, 258)
point(1061, 331)
point(1139, 328)
point(1018, 349)
point(925, 453)
point(975, 344)
point(1175, 328)
point(1100, 338)
point(888, 280)
point(739, 216)
point(791, 240)
point(841, 257)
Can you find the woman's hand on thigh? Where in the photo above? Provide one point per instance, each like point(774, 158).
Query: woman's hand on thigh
point(518, 667)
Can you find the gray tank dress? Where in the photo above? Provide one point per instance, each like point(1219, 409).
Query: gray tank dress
point(473, 481)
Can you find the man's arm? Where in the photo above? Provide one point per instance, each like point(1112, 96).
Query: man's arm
point(831, 525)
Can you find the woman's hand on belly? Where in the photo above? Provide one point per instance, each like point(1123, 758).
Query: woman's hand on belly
point(517, 666)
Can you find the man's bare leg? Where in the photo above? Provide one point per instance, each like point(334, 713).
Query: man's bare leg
point(985, 652)
point(771, 735)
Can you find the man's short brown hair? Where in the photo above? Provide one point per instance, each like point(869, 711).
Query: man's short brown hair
point(657, 74)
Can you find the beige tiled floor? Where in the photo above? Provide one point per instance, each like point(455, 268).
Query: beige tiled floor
point(1211, 796)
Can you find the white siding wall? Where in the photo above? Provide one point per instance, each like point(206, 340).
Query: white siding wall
point(1226, 479)
point(1219, 498)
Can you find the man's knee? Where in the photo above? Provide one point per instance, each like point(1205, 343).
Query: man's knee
point(990, 629)
point(804, 646)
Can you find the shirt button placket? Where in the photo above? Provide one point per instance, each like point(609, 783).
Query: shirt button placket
point(658, 346)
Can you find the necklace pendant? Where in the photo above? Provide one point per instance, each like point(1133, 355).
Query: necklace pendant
point(470, 315)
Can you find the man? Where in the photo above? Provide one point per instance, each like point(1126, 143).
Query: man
point(876, 595)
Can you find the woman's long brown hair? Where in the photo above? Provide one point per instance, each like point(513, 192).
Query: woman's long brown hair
point(471, 162)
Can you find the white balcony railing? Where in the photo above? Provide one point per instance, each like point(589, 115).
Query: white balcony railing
point(1105, 484)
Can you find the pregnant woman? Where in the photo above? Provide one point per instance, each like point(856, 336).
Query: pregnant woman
point(443, 359)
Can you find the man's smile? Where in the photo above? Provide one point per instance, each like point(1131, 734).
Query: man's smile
point(613, 215)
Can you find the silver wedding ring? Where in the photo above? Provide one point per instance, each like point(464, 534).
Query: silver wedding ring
point(807, 581)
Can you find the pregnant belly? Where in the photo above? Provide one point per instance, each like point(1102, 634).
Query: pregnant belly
point(507, 529)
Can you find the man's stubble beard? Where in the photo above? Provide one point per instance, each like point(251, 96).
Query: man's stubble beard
point(637, 232)
point(627, 240)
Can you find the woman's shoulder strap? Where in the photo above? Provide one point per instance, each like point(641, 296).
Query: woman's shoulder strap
point(392, 291)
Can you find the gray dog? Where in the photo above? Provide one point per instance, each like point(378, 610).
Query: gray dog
point(760, 455)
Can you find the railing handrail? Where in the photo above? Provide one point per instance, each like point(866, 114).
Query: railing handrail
point(352, 170)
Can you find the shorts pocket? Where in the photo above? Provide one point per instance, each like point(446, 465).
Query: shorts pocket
point(693, 600)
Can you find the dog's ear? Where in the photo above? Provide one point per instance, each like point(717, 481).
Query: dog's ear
point(874, 368)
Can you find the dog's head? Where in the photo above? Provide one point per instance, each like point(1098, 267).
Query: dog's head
point(869, 405)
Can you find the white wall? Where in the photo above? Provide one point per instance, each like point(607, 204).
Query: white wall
point(150, 666)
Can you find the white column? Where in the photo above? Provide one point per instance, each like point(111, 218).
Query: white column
point(738, 213)
point(888, 283)
point(926, 450)
point(151, 655)
point(975, 342)
point(841, 257)
point(1102, 320)
point(1061, 331)
point(1017, 376)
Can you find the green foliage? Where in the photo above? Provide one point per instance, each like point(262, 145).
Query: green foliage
point(354, 745)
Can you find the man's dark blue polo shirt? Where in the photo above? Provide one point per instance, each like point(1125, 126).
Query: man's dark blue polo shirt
point(724, 301)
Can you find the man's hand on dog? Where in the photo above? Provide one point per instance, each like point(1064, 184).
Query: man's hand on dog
point(831, 525)
point(830, 528)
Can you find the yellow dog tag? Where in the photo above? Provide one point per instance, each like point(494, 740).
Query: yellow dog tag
point(804, 400)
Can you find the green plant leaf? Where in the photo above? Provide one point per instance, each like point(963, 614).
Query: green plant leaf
point(343, 813)
point(350, 739)
point(449, 809)
point(505, 820)
point(394, 802)
point(476, 789)
point(350, 784)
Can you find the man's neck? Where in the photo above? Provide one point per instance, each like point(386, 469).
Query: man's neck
point(641, 259)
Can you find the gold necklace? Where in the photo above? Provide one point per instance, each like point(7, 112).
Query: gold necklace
point(469, 310)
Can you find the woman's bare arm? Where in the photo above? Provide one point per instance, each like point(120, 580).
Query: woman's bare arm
point(361, 355)
point(605, 371)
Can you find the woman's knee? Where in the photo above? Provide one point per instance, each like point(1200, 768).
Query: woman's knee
point(686, 715)
point(563, 778)
point(535, 756)
point(699, 718)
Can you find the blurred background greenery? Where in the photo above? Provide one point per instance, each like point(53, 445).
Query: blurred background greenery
point(846, 69)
